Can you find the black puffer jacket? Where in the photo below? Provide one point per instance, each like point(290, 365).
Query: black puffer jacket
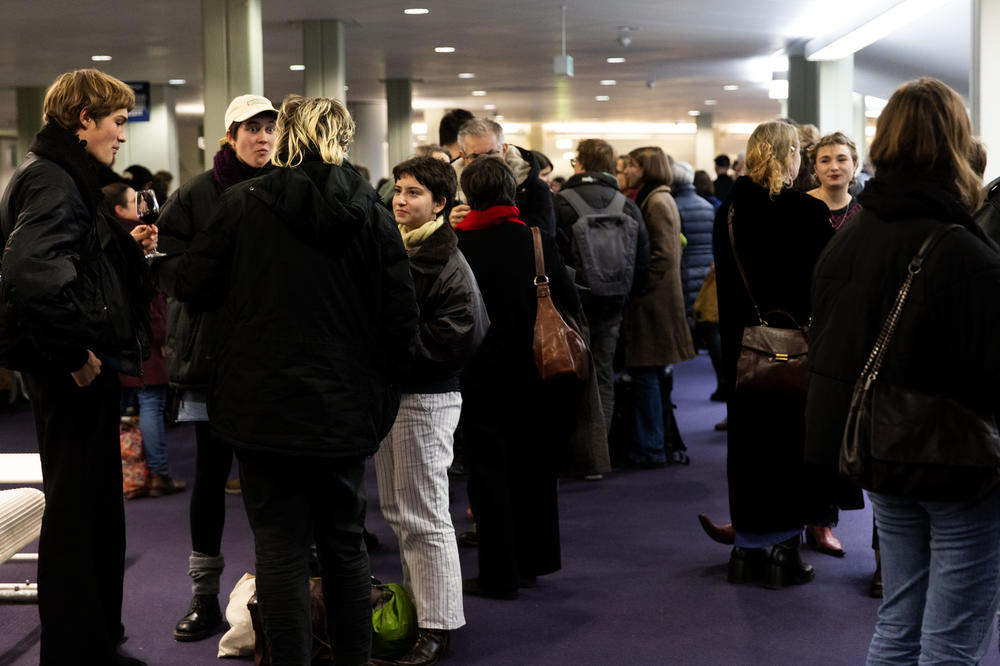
point(697, 218)
point(597, 190)
point(453, 319)
point(193, 338)
point(320, 309)
point(946, 338)
point(72, 280)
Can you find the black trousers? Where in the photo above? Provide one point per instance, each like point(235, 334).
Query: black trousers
point(292, 502)
point(213, 460)
point(512, 489)
point(81, 552)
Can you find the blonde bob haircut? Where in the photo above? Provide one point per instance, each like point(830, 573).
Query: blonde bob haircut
point(769, 155)
point(924, 131)
point(319, 126)
point(90, 89)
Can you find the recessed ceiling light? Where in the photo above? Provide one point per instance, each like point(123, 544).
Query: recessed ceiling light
point(489, 107)
point(296, 68)
point(415, 11)
point(177, 82)
point(498, 117)
point(694, 113)
point(444, 49)
point(602, 98)
point(711, 102)
point(615, 61)
point(466, 75)
point(730, 87)
point(479, 93)
point(100, 58)
point(608, 82)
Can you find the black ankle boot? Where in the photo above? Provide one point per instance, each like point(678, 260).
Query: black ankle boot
point(746, 564)
point(203, 618)
point(785, 566)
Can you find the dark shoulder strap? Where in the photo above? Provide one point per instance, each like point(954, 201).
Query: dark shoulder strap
point(536, 239)
point(739, 265)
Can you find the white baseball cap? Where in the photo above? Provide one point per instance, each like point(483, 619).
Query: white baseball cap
point(247, 106)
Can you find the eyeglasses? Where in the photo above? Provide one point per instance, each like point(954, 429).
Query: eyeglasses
point(474, 156)
point(572, 161)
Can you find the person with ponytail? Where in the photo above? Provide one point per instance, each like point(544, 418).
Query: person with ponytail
point(778, 235)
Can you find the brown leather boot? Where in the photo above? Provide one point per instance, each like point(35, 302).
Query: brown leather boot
point(162, 484)
point(428, 650)
point(875, 589)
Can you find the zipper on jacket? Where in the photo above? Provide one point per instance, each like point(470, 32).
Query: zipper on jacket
point(138, 347)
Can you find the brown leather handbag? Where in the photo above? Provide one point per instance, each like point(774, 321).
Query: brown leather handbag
point(772, 359)
point(907, 443)
point(559, 350)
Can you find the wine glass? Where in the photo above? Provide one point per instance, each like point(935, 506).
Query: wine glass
point(148, 211)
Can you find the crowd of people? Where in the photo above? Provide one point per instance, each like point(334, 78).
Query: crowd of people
point(305, 322)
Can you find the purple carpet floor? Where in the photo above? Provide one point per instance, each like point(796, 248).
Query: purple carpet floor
point(640, 584)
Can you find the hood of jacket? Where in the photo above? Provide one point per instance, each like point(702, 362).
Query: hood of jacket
point(320, 203)
point(904, 197)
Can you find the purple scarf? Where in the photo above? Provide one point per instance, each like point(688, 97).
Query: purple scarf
point(229, 169)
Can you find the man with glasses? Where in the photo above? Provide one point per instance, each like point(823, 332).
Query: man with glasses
point(483, 137)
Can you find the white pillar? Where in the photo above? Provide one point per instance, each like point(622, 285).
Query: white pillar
point(983, 85)
point(836, 95)
point(370, 147)
point(432, 118)
point(324, 55)
point(704, 144)
point(233, 52)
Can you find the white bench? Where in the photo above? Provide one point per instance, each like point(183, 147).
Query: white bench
point(20, 519)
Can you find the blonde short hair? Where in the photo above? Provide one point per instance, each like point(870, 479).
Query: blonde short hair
point(318, 126)
point(91, 89)
point(769, 155)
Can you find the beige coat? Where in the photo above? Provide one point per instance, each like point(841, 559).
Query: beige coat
point(657, 330)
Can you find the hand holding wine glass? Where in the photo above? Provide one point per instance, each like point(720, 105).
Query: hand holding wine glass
point(148, 211)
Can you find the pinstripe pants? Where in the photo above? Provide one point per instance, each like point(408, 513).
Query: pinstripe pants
point(412, 470)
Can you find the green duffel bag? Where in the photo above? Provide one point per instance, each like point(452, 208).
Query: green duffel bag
point(394, 621)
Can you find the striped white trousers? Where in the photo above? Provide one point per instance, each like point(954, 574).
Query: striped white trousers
point(412, 470)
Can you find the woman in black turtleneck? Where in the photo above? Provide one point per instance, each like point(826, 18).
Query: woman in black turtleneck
point(191, 344)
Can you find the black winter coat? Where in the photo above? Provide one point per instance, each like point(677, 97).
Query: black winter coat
point(72, 279)
point(597, 190)
point(453, 319)
point(320, 309)
point(778, 242)
point(697, 217)
point(946, 338)
point(534, 197)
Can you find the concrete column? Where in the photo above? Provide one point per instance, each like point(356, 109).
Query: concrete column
point(536, 138)
point(29, 117)
point(432, 118)
point(399, 113)
point(803, 90)
point(859, 122)
point(983, 86)
point(232, 49)
point(153, 143)
point(370, 147)
point(324, 55)
point(704, 144)
point(836, 96)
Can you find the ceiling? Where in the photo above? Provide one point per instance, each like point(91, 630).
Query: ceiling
point(682, 51)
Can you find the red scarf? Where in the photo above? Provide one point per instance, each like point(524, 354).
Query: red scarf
point(491, 217)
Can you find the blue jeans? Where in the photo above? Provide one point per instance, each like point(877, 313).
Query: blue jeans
point(152, 402)
point(648, 414)
point(941, 580)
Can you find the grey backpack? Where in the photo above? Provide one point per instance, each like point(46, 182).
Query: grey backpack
point(604, 245)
